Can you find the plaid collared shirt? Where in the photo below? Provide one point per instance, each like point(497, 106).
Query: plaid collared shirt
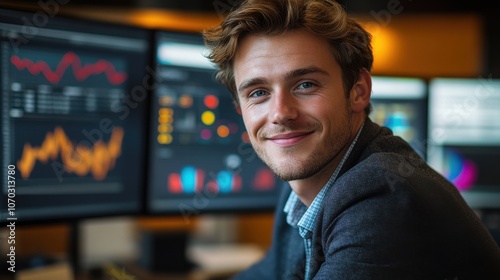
point(302, 217)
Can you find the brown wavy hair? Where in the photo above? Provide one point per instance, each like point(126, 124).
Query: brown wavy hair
point(349, 42)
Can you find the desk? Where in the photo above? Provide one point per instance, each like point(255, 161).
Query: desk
point(213, 262)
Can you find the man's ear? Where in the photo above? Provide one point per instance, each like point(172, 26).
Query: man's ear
point(361, 92)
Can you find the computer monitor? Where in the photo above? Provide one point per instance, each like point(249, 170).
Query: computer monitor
point(200, 158)
point(400, 103)
point(464, 131)
point(73, 113)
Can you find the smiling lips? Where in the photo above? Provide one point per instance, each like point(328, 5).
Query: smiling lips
point(288, 139)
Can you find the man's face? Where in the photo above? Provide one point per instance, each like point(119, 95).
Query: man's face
point(293, 103)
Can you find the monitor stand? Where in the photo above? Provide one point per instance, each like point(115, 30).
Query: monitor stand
point(165, 251)
point(74, 246)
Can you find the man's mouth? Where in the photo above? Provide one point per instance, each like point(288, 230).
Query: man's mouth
point(289, 138)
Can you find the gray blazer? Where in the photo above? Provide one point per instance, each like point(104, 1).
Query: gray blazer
point(388, 216)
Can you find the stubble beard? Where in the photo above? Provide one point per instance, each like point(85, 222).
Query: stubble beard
point(295, 169)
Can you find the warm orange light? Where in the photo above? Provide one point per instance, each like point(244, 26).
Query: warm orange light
point(385, 45)
point(150, 18)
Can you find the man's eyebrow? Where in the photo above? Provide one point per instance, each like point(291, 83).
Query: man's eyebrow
point(304, 71)
point(251, 82)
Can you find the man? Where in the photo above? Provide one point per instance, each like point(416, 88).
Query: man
point(361, 203)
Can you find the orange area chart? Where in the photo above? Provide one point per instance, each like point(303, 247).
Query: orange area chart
point(78, 159)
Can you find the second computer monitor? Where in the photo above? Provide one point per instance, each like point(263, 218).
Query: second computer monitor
point(200, 156)
point(400, 103)
point(464, 133)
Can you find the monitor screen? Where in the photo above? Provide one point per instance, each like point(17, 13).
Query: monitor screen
point(200, 158)
point(73, 109)
point(464, 130)
point(400, 103)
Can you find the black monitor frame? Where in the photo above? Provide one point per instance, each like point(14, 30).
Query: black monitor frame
point(38, 36)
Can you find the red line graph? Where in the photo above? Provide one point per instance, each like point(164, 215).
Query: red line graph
point(70, 60)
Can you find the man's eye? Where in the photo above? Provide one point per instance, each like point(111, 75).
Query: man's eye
point(258, 93)
point(305, 85)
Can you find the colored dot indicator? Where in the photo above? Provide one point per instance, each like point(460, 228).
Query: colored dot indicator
point(165, 128)
point(164, 138)
point(206, 134)
point(208, 117)
point(233, 128)
point(185, 101)
point(166, 100)
point(165, 112)
point(211, 101)
point(222, 131)
point(245, 137)
point(165, 119)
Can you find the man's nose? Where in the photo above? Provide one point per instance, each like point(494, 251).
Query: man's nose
point(283, 107)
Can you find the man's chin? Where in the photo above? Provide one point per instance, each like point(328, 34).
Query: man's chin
point(291, 173)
